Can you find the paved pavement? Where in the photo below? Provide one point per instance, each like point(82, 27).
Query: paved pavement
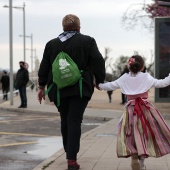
point(98, 146)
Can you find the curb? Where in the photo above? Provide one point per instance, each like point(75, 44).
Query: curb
point(26, 110)
point(20, 110)
point(45, 164)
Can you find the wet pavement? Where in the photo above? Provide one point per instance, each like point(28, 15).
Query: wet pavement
point(27, 139)
point(1, 97)
point(25, 133)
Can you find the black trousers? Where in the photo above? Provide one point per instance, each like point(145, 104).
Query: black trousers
point(110, 95)
point(5, 93)
point(23, 95)
point(71, 112)
point(123, 99)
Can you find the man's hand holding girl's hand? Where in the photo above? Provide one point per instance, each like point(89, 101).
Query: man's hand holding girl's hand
point(97, 86)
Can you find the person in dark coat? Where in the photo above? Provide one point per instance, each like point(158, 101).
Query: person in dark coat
point(5, 85)
point(110, 95)
point(21, 81)
point(84, 52)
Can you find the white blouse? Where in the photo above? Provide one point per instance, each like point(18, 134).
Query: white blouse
point(138, 84)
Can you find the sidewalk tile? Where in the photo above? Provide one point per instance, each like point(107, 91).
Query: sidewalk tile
point(98, 146)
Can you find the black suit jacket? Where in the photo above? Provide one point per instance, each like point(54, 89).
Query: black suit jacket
point(84, 52)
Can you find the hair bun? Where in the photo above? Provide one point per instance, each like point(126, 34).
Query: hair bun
point(136, 63)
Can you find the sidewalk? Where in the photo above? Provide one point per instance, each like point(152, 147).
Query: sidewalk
point(98, 146)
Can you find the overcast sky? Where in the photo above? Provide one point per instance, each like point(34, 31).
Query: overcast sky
point(100, 19)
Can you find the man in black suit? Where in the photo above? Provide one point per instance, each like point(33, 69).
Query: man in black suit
point(84, 52)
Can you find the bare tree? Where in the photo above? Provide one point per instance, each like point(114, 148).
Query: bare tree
point(119, 65)
point(150, 66)
point(143, 14)
point(108, 60)
point(108, 65)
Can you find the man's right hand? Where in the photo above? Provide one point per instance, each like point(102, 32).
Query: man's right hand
point(41, 95)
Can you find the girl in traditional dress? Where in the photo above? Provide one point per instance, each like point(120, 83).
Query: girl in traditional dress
point(142, 131)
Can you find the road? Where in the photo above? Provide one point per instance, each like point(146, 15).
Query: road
point(27, 139)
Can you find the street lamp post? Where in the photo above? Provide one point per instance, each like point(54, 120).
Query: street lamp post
point(33, 61)
point(34, 56)
point(31, 37)
point(11, 51)
point(23, 9)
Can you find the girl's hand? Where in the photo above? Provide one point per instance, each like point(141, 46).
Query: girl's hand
point(97, 86)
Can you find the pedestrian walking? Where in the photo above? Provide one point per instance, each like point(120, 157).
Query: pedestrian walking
point(32, 85)
point(142, 131)
point(109, 93)
point(21, 81)
point(84, 52)
point(5, 85)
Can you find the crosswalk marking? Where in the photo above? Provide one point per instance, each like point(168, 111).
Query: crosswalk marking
point(24, 134)
point(3, 121)
point(20, 143)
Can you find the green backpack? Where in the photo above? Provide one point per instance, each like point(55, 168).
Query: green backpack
point(65, 73)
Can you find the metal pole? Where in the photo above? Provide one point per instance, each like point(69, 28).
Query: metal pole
point(23, 9)
point(24, 32)
point(35, 53)
point(11, 51)
point(35, 58)
point(32, 55)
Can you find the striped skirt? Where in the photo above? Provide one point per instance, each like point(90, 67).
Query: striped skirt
point(142, 131)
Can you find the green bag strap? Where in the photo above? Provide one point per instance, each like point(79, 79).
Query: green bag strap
point(49, 88)
point(58, 93)
point(58, 97)
point(81, 85)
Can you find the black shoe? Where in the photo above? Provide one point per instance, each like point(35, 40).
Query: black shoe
point(22, 107)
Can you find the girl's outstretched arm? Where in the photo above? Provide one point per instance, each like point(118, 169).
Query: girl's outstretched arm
point(109, 86)
point(162, 82)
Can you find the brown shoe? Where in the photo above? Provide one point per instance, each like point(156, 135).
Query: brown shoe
point(135, 163)
point(73, 165)
point(135, 166)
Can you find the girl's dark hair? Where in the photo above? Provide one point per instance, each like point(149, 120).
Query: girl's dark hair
point(136, 62)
